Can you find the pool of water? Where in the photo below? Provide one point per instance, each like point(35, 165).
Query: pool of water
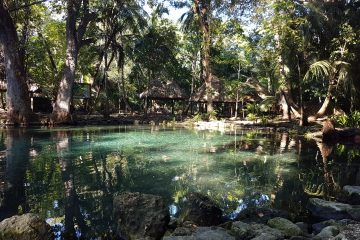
point(69, 175)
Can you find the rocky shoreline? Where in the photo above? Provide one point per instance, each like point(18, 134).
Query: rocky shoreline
point(146, 216)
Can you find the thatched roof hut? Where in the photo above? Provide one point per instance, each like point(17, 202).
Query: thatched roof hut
point(164, 91)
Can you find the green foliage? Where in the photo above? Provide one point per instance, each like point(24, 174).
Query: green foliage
point(252, 117)
point(204, 117)
point(352, 120)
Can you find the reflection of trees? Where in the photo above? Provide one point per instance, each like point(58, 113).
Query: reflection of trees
point(83, 173)
point(71, 201)
point(17, 144)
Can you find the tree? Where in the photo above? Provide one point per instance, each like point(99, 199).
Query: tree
point(203, 12)
point(74, 41)
point(17, 97)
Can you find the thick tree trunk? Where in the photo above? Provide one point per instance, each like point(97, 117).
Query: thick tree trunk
point(326, 102)
point(285, 108)
point(61, 112)
point(17, 97)
point(201, 9)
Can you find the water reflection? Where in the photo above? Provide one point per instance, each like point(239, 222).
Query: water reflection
point(69, 176)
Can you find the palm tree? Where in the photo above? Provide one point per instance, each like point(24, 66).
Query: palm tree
point(336, 73)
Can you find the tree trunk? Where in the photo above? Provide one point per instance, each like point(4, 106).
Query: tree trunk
point(286, 114)
point(203, 18)
point(124, 93)
point(61, 112)
point(17, 97)
point(326, 102)
point(324, 106)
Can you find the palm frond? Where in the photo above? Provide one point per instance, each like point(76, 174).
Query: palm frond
point(319, 70)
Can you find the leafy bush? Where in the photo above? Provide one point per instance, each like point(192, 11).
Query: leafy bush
point(205, 116)
point(352, 120)
point(251, 117)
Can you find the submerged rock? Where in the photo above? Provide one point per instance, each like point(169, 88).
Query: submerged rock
point(286, 226)
point(25, 227)
point(329, 210)
point(140, 216)
point(201, 210)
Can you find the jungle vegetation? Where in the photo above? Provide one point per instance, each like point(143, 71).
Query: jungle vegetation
point(305, 53)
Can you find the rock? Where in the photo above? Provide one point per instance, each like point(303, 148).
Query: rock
point(260, 214)
point(242, 230)
point(354, 213)
point(140, 216)
point(327, 233)
point(317, 227)
point(328, 210)
point(205, 233)
point(303, 226)
point(201, 210)
point(25, 227)
point(286, 226)
point(183, 231)
point(352, 194)
point(349, 232)
point(263, 232)
point(213, 233)
point(299, 238)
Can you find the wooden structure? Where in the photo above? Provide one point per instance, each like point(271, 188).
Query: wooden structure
point(168, 91)
point(39, 103)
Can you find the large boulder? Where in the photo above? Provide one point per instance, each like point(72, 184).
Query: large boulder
point(286, 226)
point(352, 194)
point(201, 210)
point(25, 227)
point(242, 230)
point(140, 216)
point(329, 210)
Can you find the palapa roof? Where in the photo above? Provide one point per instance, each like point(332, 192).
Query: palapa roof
point(160, 90)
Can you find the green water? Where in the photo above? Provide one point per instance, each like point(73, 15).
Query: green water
point(69, 175)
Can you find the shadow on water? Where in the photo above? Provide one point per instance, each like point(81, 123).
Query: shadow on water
point(69, 176)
